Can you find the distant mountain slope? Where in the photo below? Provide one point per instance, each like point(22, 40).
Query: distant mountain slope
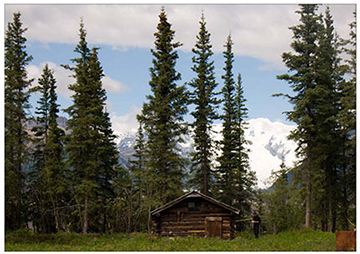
point(61, 121)
point(269, 146)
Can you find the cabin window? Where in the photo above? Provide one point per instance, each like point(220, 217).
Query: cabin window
point(194, 206)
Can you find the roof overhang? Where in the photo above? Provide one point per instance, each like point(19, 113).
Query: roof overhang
point(195, 194)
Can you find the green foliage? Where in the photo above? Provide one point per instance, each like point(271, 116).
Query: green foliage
point(286, 241)
point(282, 203)
point(317, 78)
point(347, 119)
point(47, 178)
point(16, 95)
point(235, 181)
point(162, 116)
point(244, 178)
point(124, 208)
point(203, 97)
point(83, 189)
point(91, 150)
point(143, 186)
point(227, 160)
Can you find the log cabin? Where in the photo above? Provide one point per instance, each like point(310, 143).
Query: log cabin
point(195, 214)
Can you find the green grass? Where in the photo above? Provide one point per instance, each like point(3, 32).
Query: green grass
point(287, 241)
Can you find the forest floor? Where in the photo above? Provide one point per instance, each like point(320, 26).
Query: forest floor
point(287, 241)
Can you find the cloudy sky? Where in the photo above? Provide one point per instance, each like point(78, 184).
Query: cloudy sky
point(125, 35)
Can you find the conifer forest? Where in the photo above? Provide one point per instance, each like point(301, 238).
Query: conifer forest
point(71, 180)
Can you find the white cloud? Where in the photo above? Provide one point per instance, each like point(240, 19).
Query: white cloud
point(125, 124)
point(113, 86)
point(64, 78)
point(260, 31)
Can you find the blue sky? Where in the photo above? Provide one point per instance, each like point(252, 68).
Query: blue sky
point(124, 34)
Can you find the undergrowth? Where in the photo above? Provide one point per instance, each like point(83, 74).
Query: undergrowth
point(25, 240)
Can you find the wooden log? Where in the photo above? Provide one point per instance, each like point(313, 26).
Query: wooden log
point(182, 228)
point(196, 231)
point(200, 225)
point(181, 222)
point(214, 218)
point(183, 234)
point(226, 236)
point(191, 219)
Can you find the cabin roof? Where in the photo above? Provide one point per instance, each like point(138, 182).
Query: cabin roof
point(194, 194)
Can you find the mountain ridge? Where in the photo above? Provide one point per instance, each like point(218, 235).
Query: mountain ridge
point(269, 147)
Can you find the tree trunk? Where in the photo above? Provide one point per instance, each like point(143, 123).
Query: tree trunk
point(149, 219)
point(86, 223)
point(205, 183)
point(331, 216)
point(308, 179)
point(308, 205)
point(104, 221)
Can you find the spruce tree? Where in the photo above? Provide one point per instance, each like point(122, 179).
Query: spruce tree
point(227, 159)
point(17, 95)
point(307, 98)
point(235, 180)
point(206, 103)
point(48, 177)
point(138, 164)
point(107, 154)
point(163, 115)
point(141, 181)
point(318, 82)
point(243, 180)
point(36, 176)
point(91, 149)
point(347, 119)
point(54, 157)
point(330, 76)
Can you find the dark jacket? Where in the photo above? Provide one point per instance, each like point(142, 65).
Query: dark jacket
point(257, 218)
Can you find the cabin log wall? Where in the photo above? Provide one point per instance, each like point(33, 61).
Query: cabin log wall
point(179, 221)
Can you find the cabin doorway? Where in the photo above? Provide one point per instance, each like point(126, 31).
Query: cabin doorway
point(213, 226)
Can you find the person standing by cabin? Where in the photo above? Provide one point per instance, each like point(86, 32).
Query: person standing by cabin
point(256, 221)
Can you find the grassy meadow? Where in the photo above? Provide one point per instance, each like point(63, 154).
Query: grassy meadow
point(287, 241)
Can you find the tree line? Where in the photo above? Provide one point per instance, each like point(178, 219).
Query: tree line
point(322, 190)
point(73, 181)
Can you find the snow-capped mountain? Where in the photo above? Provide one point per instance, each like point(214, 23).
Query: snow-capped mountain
point(269, 146)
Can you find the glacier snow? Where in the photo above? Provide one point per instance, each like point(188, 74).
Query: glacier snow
point(269, 147)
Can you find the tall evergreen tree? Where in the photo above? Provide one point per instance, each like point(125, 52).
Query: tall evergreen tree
point(313, 81)
point(330, 76)
point(206, 103)
point(17, 95)
point(48, 179)
point(244, 178)
point(107, 153)
point(227, 159)
point(144, 180)
point(163, 115)
point(347, 119)
point(54, 156)
point(141, 181)
point(233, 175)
point(91, 148)
point(138, 164)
